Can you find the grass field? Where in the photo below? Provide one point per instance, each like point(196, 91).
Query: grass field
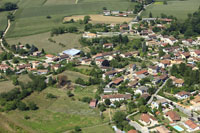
point(56, 115)
point(6, 86)
point(101, 19)
point(41, 41)
point(74, 75)
point(177, 8)
point(31, 16)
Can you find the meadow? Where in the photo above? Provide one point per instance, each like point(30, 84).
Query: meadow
point(42, 41)
point(31, 17)
point(55, 115)
point(177, 8)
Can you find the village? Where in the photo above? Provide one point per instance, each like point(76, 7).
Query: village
point(156, 75)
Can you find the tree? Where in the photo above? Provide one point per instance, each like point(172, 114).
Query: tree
point(77, 129)
point(161, 53)
point(107, 102)
point(32, 106)
point(21, 106)
point(118, 118)
point(70, 94)
point(143, 109)
point(86, 19)
point(62, 80)
point(150, 15)
point(165, 2)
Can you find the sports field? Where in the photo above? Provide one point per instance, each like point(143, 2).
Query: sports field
point(31, 16)
point(101, 19)
point(177, 8)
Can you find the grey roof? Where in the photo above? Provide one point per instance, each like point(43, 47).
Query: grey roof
point(110, 90)
point(72, 52)
point(141, 76)
point(149, 19)
point(143, 88)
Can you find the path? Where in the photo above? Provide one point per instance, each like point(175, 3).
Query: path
point(76, 2)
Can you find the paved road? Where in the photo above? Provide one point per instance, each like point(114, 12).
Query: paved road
point(151, 99)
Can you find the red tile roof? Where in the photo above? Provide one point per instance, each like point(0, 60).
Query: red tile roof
point(191, 124)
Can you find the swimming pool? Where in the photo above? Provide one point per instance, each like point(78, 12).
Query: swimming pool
point(178, 128)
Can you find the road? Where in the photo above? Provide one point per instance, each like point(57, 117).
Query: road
point(151, 99)
point(139, 127)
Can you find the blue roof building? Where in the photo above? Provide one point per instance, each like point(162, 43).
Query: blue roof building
point(72, 52)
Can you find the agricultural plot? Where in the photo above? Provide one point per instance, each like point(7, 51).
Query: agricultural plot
point(6, 86)
point(101, 19)
point(179, 9)
point(50, 44)
point(56, 115)
point(31, 18)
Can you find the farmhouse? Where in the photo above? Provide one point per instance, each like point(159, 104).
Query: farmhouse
point(117, 81)
point(116, 97)
point(93, 103)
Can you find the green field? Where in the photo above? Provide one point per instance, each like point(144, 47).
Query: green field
point(55, 115)
point(41, 41)
point(31, 16)
point(6, 86)
point(177, 8)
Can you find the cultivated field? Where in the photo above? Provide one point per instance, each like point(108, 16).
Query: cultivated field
point(56, 115)
point(31, 16)
point(42, 41)
point(101, 19)
point(177, 8)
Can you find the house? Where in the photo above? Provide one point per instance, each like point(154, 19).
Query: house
point(102, 62)
point(185, 55)
point(153, 70)
point(195, 53)
point(196, 100)
point(142, 89)
point(115, 13)
point(56, 67)
point(108, 45)
point(106, 13)
point(182, 95)
point(42, 72)
point(124, 27)
point(37, 53)
point(23, 66)
point(126, 55)
point(172, 116)
point(64, 56)
point(133, 83)
point(162, 129)
point(163, 77)
point(110, 90)
point(86, 61)
point(164, 63)
point(110, 74)
point(145, 96)
point(49, 57)
point(145, 72)
point(93, 103)
point(132, 131)
point(178, 82)
point(4, 67)
point(191, 126)
point(117, 81)
point(89, 35)
point(147, 119)
point(155, 104)
point(116, 97)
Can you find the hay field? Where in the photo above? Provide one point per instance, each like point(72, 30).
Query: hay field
point(101, 19)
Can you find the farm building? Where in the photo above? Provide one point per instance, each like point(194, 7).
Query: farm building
point(72, 52)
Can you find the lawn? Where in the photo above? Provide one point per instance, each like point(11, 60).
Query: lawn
point(99, 129)
point(56, 115)
point(177, 8)
point(42, 41)
point(31, 16)
point(24, 78)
